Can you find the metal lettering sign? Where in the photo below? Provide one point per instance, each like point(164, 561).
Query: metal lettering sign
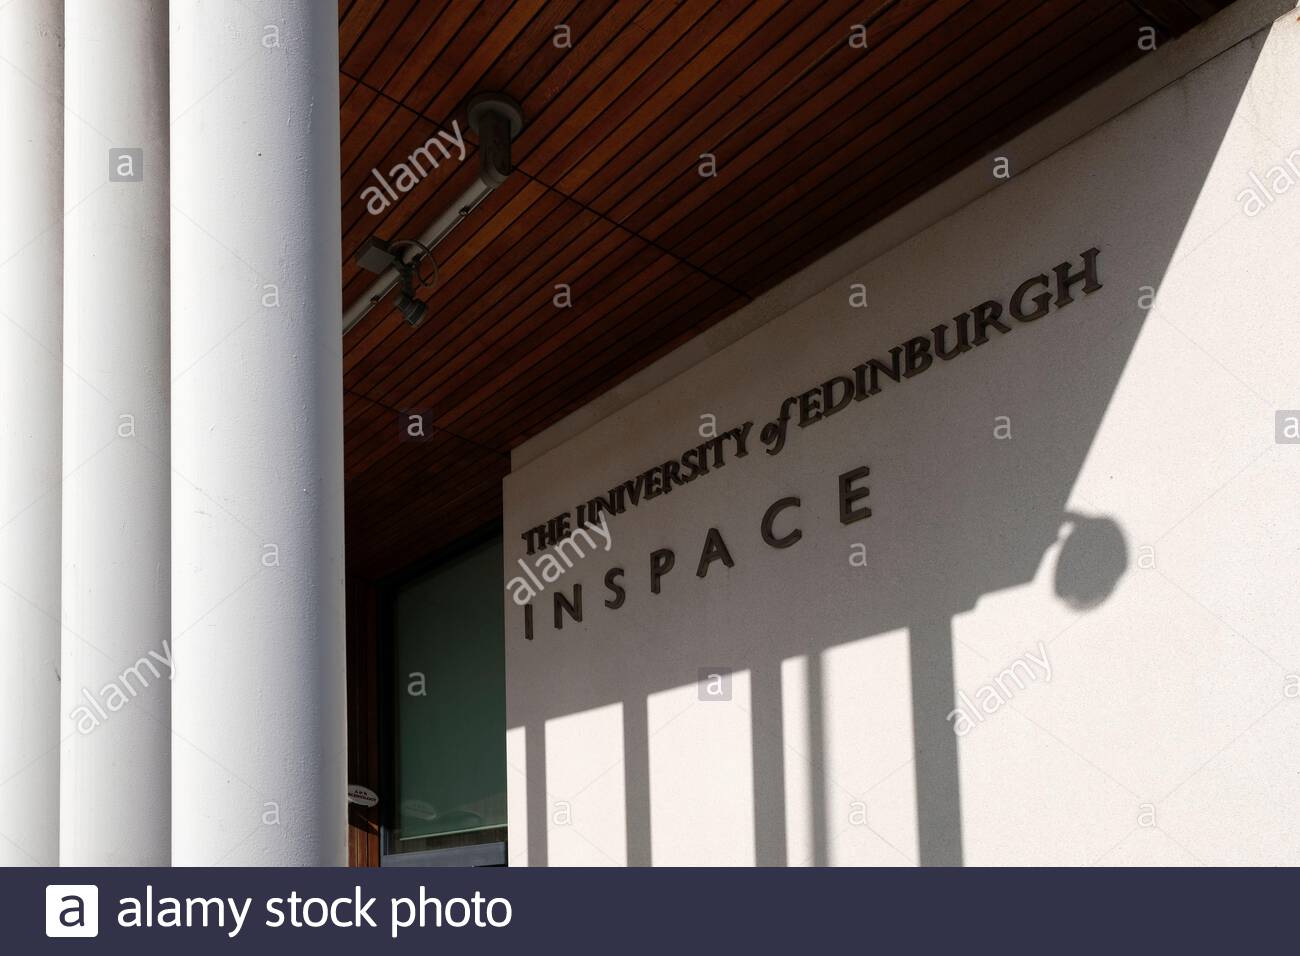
point(1032, 299)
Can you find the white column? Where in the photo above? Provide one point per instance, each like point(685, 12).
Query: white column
point(259, 762)
point(31, 349)
point(115, 803)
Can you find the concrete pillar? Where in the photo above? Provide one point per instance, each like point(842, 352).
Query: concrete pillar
point(31, 350)
point(115, 804)
point(259, 761)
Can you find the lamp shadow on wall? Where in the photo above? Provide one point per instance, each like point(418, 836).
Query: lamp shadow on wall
point(1093, 556)
point(989, 529)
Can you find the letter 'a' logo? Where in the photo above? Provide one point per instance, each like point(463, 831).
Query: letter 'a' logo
point(71, 910)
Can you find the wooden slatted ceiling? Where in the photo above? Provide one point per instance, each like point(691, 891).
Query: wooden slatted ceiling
point(815, 140)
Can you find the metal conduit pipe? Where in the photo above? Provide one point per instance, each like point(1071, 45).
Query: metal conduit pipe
point(496, 119)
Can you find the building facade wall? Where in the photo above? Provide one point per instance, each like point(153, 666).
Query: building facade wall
point(1065, 634)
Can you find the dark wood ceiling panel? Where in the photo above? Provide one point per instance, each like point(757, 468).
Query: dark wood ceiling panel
point(592, 116)
point(388, 334)
point(451, 95)
point(435, 38)
point(529, 304)
point(383, 32)
point(898, 177)
point(538, 51)
point(538, 218)
point(788, 44)
point(384, 539)
point(742, 137)
point(460, 514)
point(409, 43)
point(1170, 17)
point(815, 141)
point(570, 377)
point(908, 124)
point(952, 55)
point(441, 466)
point(514, 401)
point(354, 99)
point(442, 471)
point(408, 368)
point(476, 400)
point(353, 23)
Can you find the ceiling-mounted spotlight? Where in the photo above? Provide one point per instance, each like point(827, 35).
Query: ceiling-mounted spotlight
point(496, 119)
point(412, 309)
point(379, 256)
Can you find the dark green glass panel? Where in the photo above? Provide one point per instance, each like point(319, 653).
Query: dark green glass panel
point(450, 691)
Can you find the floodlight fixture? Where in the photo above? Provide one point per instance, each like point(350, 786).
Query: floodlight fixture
point(496, 119)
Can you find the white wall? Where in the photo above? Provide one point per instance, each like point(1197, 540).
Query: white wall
point(1142, 452)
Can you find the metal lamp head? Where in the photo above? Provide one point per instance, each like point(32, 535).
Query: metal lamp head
point(412, 309)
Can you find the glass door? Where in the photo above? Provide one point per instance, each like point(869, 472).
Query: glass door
point(449, 709)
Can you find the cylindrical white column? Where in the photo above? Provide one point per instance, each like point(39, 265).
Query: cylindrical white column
point(115, 804)
point(31, 351)
point(259, 762)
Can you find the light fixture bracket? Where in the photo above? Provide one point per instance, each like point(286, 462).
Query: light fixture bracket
point(496, 119)
point(483, 105)
point(376, 255)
